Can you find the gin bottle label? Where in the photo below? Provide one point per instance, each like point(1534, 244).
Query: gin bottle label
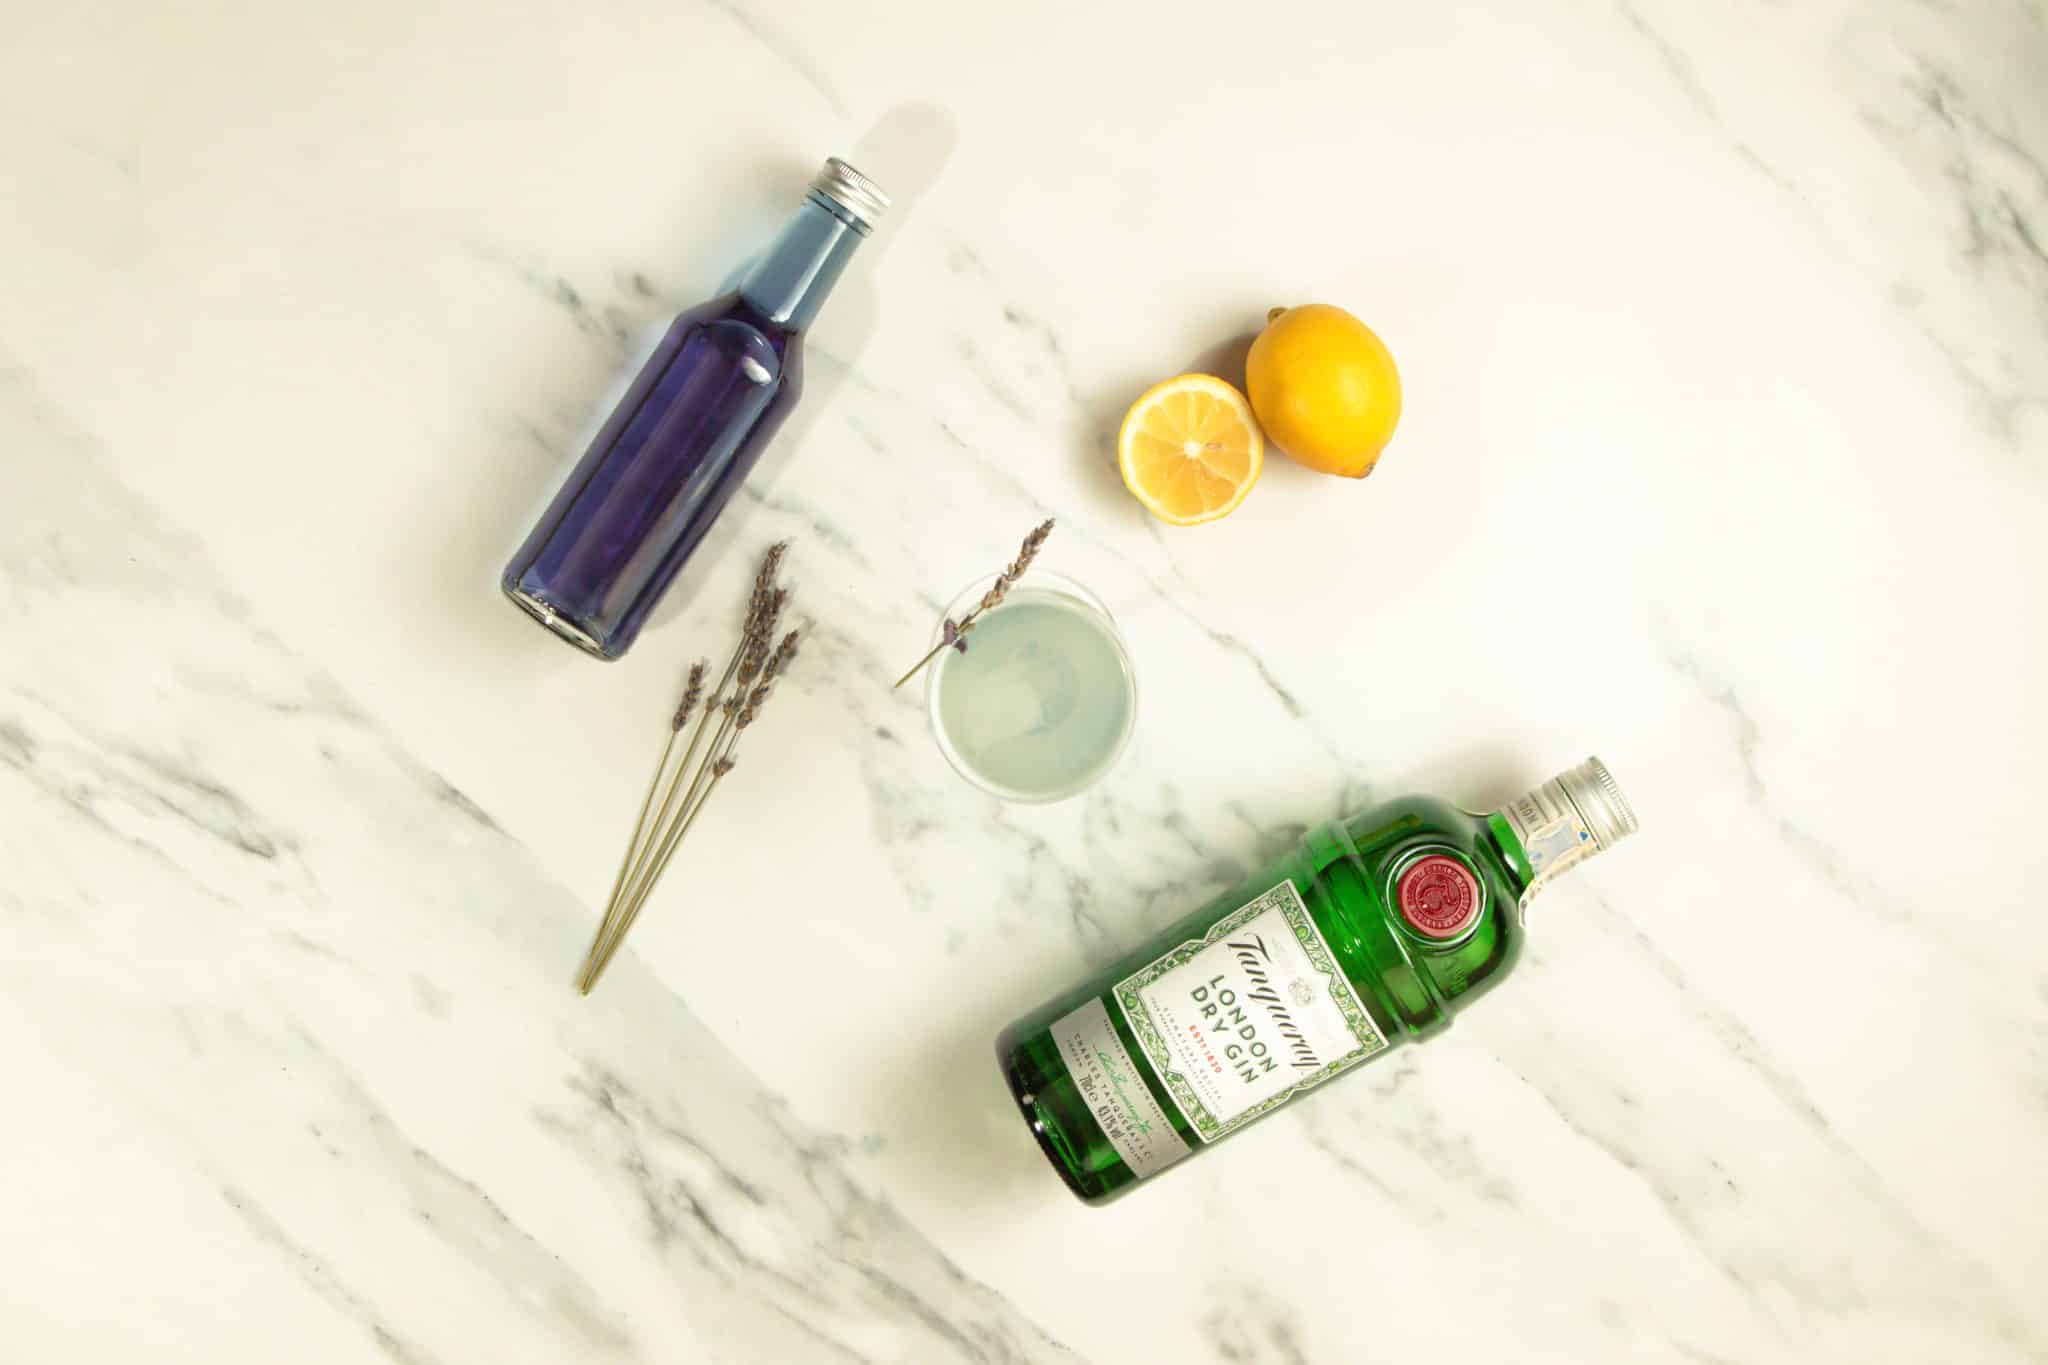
point(1108, 1080)
point(1234, 1024)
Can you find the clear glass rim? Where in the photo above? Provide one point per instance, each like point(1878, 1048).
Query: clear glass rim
point(1039, 581)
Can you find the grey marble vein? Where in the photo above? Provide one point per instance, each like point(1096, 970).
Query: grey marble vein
point(1678, 65)
point(1957, 154)
point(783, 47)
point(1854, 887)
point(313, 1270)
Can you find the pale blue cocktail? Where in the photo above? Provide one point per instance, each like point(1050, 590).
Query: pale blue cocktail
point(1043, 701)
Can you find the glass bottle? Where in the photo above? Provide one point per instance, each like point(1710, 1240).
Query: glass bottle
point(1374, 933)
point(681, 441)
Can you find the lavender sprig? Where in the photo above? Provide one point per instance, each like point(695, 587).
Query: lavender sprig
point(953, 634)
point(757, 662)
point(693, 692)
point(709, 775)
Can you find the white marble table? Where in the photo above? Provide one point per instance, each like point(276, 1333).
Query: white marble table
point(1725, 331)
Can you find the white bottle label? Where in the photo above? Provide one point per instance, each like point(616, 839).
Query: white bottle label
point(1553, 834)
point(1104, 1074)
point(1255, 1011)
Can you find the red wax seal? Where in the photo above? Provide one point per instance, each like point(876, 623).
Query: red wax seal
point(1438, 896)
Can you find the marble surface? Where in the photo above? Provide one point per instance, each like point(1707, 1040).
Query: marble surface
point(1726, 456)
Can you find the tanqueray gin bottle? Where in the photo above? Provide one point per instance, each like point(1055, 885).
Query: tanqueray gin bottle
point(1372, 934)
point(681, 441)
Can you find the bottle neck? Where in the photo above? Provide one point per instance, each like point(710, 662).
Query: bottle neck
point(1567, 820)
point(789, 284)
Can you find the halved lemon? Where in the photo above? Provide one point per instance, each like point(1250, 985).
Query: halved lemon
point(1191, 449)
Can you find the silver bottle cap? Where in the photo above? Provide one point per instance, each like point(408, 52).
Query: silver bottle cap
point(1598, 797)
point(852, 191)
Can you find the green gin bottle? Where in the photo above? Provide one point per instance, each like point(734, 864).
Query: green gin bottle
point(1374, 933)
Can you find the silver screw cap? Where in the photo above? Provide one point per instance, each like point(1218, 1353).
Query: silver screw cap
point(852, 191)
point(1607, 813)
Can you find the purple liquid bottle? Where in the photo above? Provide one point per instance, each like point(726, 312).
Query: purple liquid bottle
point(680, 443)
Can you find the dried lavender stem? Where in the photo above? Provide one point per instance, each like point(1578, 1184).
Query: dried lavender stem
point(720, 751)
point(763, 610)
point(644, 863)
point(648, 869)
point(632, 912)
point(640, 824)
point(717, 762)
point(693, 693)
point(640, 879)
point(764, 604)
point(689, 756)
point(940, 648)
point(990, 600)
point(745, 708)
point(636, 861)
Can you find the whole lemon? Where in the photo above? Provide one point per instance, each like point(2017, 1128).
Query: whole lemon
point(1324, 387)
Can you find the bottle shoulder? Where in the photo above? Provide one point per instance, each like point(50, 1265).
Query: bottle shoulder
point(731, 313)
point(1393, 829)
point(1396, 830)
point(1464, 931)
